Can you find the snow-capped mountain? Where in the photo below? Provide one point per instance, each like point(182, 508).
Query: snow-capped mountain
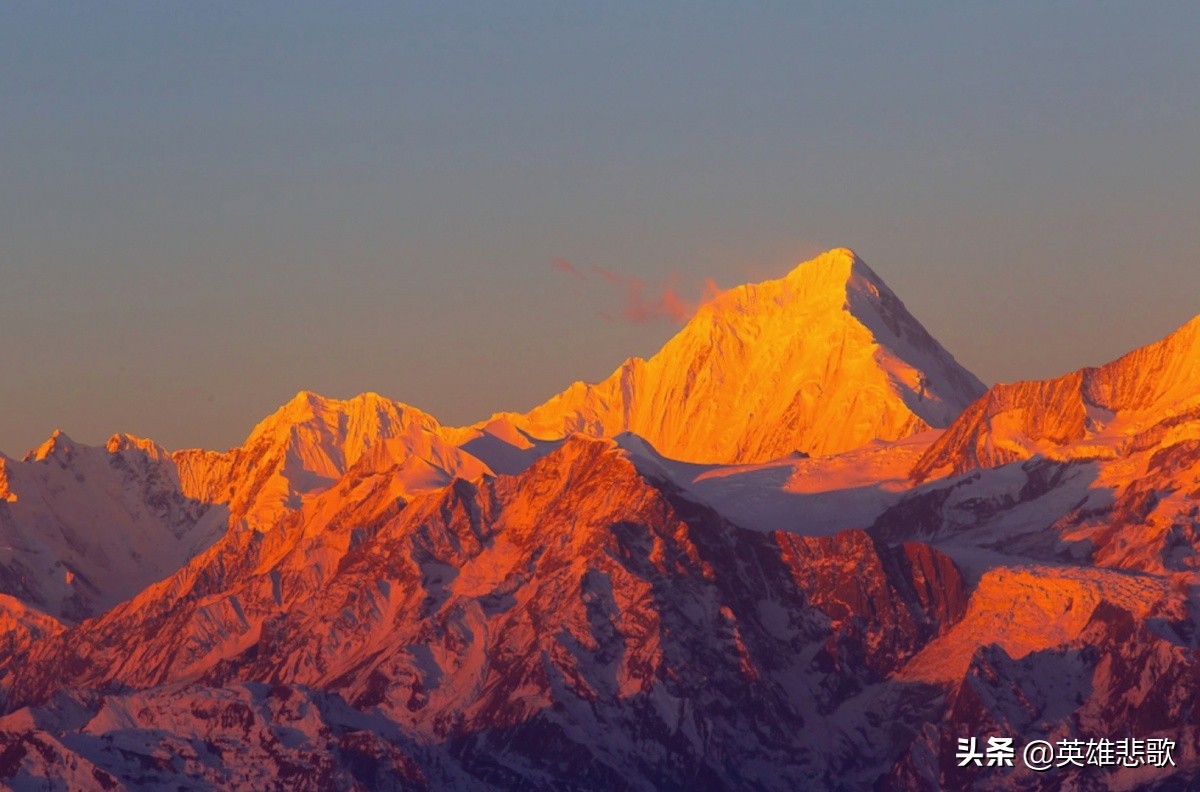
point(1073, 506)
point(1101, 465)
point(578, 615)
point(809, 586)
point(1150, 396)
point(821, 361)
point(309, 443)
point(83, 528)
point(857, 366)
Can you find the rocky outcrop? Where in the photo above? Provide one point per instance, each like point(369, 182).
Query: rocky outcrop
point(577, 611)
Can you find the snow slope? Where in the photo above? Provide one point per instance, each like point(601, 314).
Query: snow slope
point(573, 621)
point(309, 443)
point(362, 598)
point(821, 361)
point(1145, 397)
point(82, 528)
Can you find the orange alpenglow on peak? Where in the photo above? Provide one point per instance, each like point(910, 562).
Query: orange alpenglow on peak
point(312, 441)
point(822, 360)
point(1141, 398)
point(120, 442)
point(58, 443)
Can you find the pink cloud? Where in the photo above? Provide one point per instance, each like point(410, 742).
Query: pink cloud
point(667, 301)
point(641, 302)
point(610, 276)
point(562, 265)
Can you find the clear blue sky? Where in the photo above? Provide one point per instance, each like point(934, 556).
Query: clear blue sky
point(206, 207)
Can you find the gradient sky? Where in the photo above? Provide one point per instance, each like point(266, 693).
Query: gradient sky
point(206, 207)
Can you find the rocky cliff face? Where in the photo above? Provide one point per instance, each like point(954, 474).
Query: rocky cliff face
point(577, 611)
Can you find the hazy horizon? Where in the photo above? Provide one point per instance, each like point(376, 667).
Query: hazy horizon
point(206, 210)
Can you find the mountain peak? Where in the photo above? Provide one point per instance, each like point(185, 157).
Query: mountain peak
point(835, 265)
point(1091, 412)
point(58, 444)
point(120, 442)
point(366, 410)
point(820, 361)
point(822, 283)
point(305, 399)
point(310, 442)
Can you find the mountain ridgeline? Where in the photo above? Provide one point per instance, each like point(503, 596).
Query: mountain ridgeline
point(820, 361)
point(798, 548)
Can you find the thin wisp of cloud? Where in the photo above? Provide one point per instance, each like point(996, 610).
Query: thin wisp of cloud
point(643, 302)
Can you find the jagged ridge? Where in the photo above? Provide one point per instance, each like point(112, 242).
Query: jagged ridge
point(1092, 412)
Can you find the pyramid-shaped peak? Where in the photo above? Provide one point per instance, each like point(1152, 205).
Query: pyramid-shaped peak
point(837, 268)
point(840, 260)
point(822, 360)
point(834, 281)
point(821, 294)
point(57, 444)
